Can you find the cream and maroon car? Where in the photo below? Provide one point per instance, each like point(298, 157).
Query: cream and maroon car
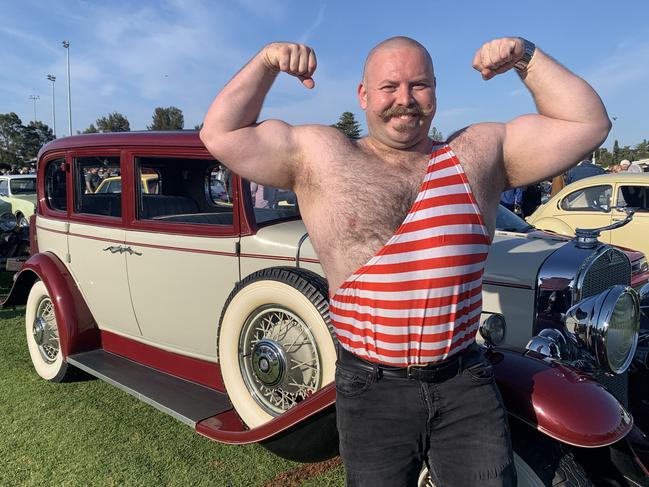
point(204, 297)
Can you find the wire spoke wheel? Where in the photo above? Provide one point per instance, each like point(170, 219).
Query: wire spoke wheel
point(43, 339)
point(46, 331)
point(279, 358)
point(276, 344)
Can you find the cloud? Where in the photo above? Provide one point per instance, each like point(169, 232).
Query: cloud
point(304, 38)
point(33, 41)
point(621, 69)
point(268, 9)
point(134, 58)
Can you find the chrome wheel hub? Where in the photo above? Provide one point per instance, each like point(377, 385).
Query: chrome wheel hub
point(268, 362)
point(278, 358)
point(46, 332)
point(38, 330)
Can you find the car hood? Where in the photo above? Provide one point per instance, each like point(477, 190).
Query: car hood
point(514, 258)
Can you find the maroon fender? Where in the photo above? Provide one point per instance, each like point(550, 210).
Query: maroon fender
point(77, 328)
point(558, 400)
point(228, 428)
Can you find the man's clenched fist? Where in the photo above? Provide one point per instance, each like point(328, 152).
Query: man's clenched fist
point(497, 56)
point(295, 59)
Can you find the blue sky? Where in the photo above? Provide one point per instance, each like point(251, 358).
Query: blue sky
point(131, 57)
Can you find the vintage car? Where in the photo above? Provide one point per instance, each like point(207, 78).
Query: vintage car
point(19, 190)
point(598, 201)
point(113, 184)
point(214, 309)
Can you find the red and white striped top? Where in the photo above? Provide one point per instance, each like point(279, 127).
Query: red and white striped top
point(419, 299)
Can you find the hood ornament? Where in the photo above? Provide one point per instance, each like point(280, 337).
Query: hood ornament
point(586, 238)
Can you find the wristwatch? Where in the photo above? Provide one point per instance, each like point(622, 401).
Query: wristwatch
point(528, 52)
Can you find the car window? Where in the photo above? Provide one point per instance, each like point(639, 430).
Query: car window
point(90, 173)
point(634, 197)
point(22, 186)
point(4, 188)
point(183, 190)
point(508, 221)
point(271, 204)
point(593, 198)
point(56, 191)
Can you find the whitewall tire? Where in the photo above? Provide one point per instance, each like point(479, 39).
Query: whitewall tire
point(42, 332)
point(276, 345)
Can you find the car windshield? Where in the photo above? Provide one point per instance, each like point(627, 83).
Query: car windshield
point(22, 185)
point(508, 221)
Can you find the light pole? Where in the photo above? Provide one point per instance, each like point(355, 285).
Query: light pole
point(34, 98)
point(66, 45)
point(52, 78)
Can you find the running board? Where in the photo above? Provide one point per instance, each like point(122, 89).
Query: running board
point(184, 400)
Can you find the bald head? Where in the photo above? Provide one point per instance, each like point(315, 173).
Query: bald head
point(398, 42)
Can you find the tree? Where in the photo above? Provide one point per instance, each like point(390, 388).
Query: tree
point(115, 122)
point(435, 134)
point(199, 126)
point(35, 136)
point(91, 130)
point(170, 118)
point(348, 125)
point(616, 152)
point(11, 132)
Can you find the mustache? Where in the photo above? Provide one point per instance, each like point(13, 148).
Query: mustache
point(414, 109)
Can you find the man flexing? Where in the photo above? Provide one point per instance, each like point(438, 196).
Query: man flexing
point(402, 226)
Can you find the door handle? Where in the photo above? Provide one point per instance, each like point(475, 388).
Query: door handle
point(131, 251)
point(113, 249)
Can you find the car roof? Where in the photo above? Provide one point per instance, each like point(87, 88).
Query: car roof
point(170, 138)
point(611, 178)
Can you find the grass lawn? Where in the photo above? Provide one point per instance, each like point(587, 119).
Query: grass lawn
point(88, 433)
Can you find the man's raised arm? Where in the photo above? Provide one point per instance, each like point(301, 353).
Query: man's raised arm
point(268, 152)
point(571, 119)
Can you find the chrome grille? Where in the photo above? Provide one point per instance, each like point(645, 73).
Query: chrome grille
point(605, 270)
point(601, 272)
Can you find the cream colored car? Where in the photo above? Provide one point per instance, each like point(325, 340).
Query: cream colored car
point(599, 201)
point(208, 301)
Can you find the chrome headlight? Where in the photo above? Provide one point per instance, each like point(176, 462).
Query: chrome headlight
point(607, 325)
point(8, 222)
point(493, 329)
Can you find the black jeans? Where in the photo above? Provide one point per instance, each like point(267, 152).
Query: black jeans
point(389, 427)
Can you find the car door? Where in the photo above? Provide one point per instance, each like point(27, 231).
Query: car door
point(587, 207)
point(182, 260)
point(634, 234)
point(95, 239)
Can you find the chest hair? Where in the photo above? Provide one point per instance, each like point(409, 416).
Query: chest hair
point(362, 203)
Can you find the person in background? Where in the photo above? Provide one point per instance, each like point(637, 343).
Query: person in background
point(531, 199)
point(628, 166)
point(511, 199)
point(584, 169)
point(92, 179)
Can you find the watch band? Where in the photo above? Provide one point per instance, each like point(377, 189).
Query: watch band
point(528, 52)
